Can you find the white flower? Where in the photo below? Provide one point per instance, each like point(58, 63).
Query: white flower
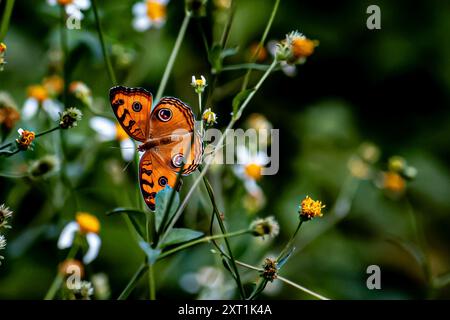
point(50, 106)
point(249, 168)
point(288, 69)
point(87, 225)
point(108, 130)
point(148, 14)
point(73, 7)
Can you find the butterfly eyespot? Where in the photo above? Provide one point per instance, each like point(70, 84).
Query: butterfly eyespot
point(177, 160)
point(162, 181)
point(137, 106)
point(164, 115)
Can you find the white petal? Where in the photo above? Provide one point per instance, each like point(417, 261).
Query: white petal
point(239, 171)
point(67, 235)
point(139, 9)
point(30, 108)
point(141, 23)
point(252, 188)
point(261, 158)
point(289, 69)
point(94, 243)
point(272, 47)
point(127, 148)
point(73, 11)
point(52, 107)
point(52, 2)
point(82, 4)
point(242, 154)
point(105, 128)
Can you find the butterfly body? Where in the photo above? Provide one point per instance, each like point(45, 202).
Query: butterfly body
point(167, 135)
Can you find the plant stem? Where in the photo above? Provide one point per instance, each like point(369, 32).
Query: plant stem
point(243, 66)
point(202, 240)
point(151, 281)
point(133, 282)
point(261, 42)
point(47, 131)
point(295, 285)
point(65, 52)
point(6, 18)
point(224, 231)
point(56, 284)
point(109, 67)
point(173, 56)
point(10, 153)
point(290, 242)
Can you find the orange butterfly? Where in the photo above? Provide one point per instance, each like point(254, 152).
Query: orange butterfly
point(167, 133)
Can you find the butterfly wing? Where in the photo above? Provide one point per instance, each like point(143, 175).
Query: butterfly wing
point(172, 117)
point(154, 176)
point(132, 108)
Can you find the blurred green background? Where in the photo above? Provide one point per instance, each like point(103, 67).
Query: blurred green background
point(388, 86)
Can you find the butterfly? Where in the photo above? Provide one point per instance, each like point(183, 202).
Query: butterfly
point(167, 135)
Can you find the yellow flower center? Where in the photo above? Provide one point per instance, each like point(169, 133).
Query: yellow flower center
point(64, 2)
point(54, 84)
point(156, 10)
point(87, 222)
point(2, 47)
point(302, 47)
point(120, 133)
point(311, 208)
point(257, 52)
point(253, 170)
point(38, 92)
point(393, 182)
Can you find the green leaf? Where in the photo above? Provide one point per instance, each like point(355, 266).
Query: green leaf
point(215, 58)
point(152, 254)
point(137, 218)
point(179, 235)
point(229, 52)
point(162, 200)
point(239, 99)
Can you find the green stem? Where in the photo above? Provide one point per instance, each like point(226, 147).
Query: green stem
point(224, 231)
point(65, 51)
point(261, 42)
point(290, 242)
point(10, 153)
point(202, 240)
point(283, 279)
point(47, 131)
point(109, 67)
point(6, 18)
point(57, 282)
point(151, 281)
point(243, 66)
point(133, 282)
point(173, 56)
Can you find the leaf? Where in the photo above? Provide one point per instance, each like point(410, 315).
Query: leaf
point(162, 200)
point(152, 254)
point(137, 218)
point(411, 249)
point(229, 52)
point(179, 235)
point(284, 259)
point(215, 58)
point(239, 98)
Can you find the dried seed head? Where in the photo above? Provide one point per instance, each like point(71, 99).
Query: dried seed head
point(5, 216)
point(69, 118)
point(265, 227)
point(270, 269)
point(25, 139)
